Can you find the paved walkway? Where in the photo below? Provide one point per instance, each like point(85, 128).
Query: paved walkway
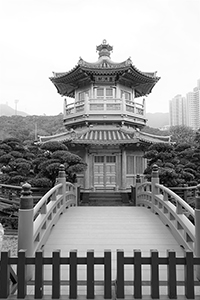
point(99, 228)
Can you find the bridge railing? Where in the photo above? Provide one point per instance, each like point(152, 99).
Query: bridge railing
point(179, 216)
point(144, 282)
point(35, 223)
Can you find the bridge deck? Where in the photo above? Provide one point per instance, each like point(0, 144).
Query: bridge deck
point(100, 228)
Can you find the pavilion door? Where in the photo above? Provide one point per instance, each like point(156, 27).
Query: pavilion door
point(105, 171)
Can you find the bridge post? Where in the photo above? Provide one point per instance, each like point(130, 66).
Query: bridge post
point(25, 225)
point(197, 228)
point(62, 179)
point(154, 189)
point(137, 183)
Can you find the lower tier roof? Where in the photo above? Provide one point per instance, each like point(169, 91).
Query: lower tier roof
point(105, 136)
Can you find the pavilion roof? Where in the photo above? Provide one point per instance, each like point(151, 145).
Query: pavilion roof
point(110, 136)
point(125, 73)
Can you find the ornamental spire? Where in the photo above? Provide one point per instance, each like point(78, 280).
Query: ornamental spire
point(104, 49)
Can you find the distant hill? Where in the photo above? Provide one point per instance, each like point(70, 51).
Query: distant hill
point(157, 120)
point(8, 111)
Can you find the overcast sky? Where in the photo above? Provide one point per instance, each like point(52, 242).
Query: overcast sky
point(41, 36)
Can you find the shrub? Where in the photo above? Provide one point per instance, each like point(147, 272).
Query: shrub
point(40, 182)
point(53, 146)
point(17, 179)
point(16, 154)
point(5, 158)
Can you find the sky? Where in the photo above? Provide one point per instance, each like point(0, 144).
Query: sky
point(38, 37)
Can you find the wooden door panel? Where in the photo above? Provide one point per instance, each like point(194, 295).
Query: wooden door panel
point(98, 174)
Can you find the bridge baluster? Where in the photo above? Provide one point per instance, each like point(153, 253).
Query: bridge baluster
point(179, 208)
point(165, 196)
point(62, 179)
point(154, 181)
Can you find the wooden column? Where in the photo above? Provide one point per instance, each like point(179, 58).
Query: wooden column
point(87, 171)
point(123, 168)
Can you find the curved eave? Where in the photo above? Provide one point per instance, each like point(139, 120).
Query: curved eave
point(105, 137)
point(153, 139)
point(61, 137)
point(67, 83)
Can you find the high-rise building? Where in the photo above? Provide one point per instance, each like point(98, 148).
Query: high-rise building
point(177, 111)
point(186, 110)
point(193, 109)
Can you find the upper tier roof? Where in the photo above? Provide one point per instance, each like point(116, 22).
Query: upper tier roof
point(124, 73)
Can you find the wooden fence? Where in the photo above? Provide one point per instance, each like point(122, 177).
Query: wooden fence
point(111, 288)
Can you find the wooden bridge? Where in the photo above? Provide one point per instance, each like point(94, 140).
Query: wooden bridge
point(150, 250)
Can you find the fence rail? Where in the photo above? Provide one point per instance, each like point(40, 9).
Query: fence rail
point(110, 287)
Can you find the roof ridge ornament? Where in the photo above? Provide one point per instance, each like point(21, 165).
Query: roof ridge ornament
point(104, 49)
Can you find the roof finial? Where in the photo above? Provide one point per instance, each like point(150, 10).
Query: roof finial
point(104, 49)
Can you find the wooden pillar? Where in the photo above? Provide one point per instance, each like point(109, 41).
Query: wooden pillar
point(123, 168)
point(1, 236)
point(25, 225)
point(137, 183)
point(197, 228)
point(87, 171)
point(154, 180)
point(144, 107)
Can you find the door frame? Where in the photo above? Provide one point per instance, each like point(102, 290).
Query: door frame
point(105, 186)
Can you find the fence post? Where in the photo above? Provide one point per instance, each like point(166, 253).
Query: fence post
point(154, 189)
point(62, 179)
point(25, 225)
point(197, 228)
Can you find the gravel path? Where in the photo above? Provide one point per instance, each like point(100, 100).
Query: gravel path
point(10, 243)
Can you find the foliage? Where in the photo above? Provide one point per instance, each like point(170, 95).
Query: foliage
point(178, 163)
point(53, 146)
point(182, 134)
point(36, 164)
point(40, 182)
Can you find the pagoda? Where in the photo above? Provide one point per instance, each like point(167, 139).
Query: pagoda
point(103, 122)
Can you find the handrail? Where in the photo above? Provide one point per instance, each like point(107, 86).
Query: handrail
point(47, 212)
point(177, 198)
point(184, 188)
point(35, 223)
point(44, 199)
point(173, 211)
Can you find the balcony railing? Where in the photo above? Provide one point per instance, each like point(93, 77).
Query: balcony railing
point(120, 108)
